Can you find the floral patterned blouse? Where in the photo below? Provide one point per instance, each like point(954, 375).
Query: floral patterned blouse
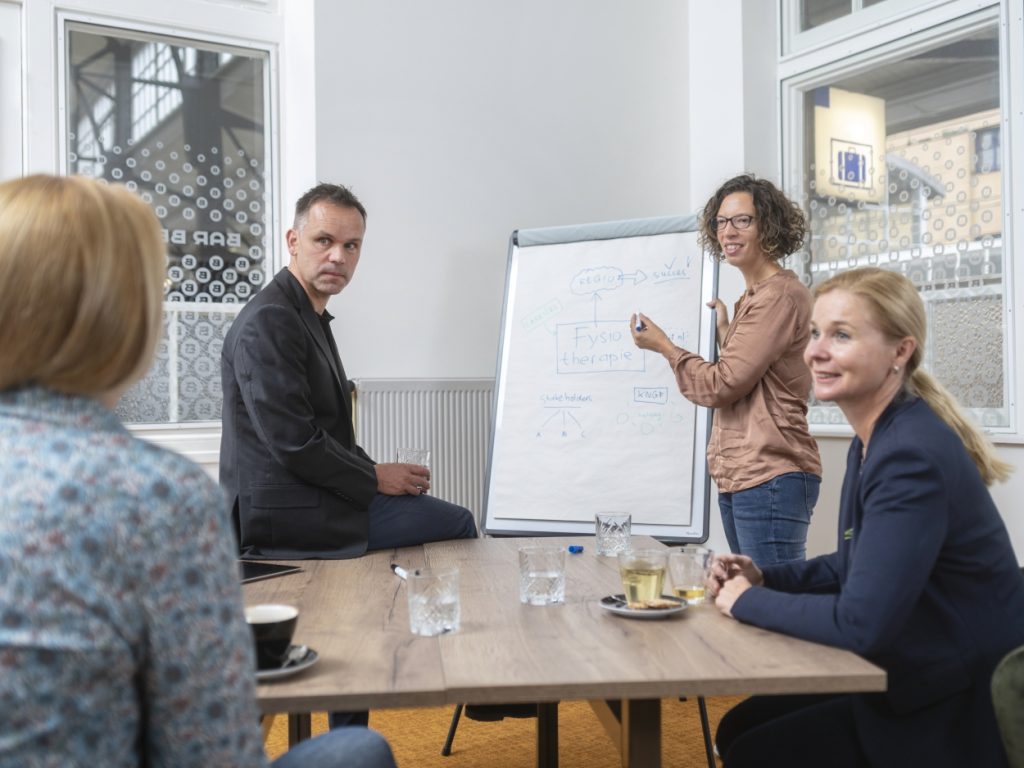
point(122, 636)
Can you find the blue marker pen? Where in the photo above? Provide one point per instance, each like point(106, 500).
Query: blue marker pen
point(575, 549)
point(639, 322)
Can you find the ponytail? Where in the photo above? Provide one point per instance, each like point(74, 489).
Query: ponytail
point(991, 467)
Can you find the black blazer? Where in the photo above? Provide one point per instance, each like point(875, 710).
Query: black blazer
point(924, 583)
point(298, 483)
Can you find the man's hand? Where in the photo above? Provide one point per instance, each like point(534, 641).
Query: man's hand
point(402, 479)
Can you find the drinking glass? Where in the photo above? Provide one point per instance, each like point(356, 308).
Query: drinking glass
point(688, 567)
point(541, 575)
point(433, 601)
point(419, 456)
point(643, 574)
point(613, 531)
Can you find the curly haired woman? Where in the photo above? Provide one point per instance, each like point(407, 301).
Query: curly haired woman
point(761, 454)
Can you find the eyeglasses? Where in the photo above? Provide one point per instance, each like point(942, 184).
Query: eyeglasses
point(740, 221)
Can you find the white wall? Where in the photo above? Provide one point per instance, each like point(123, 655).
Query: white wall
point(457, 122)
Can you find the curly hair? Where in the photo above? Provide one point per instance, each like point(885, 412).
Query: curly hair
point(781, 224)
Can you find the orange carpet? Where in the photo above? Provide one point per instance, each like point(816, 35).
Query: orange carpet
point(417, 735)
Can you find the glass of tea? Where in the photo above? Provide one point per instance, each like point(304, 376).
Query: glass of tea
point(643, 574)
point(688, 568)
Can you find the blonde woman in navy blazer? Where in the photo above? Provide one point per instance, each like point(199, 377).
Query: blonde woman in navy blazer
point(924, 583)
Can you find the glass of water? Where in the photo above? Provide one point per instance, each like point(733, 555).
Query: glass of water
point(541, 575)
point(420, 456)
point(433, 601)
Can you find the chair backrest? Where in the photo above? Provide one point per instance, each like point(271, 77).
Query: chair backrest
point(1008, 700)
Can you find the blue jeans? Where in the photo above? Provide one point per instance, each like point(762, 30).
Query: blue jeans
point(405, 521)
point(769, 522)
point(341, 748)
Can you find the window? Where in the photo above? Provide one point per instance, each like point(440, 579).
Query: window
point(809, 24)
point(901, 169)
point(814, 13)
point(185, 124)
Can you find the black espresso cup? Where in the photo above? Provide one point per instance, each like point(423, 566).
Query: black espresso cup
point(272, 629)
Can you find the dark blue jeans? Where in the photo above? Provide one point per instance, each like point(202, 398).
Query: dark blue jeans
point(792, 731)
point(405, 521)
point(769, 522)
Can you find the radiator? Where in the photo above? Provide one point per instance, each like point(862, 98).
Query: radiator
point(451, 417)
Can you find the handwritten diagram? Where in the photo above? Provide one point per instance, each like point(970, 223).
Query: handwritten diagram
point(584, 413)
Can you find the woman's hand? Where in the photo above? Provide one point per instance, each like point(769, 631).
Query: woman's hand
point(729, 577)
point(730, 592)
point(721, 318)
point(651, 337)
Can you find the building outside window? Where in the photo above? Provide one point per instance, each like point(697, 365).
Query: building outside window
point(901, 169)
point(185, 124)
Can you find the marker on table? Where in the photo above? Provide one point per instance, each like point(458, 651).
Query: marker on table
point(400, 572)
point(639, 322)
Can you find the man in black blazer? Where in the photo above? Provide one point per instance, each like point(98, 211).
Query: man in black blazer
point(299, 484)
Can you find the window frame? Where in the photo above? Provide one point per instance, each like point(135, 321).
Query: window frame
point(68, 22)
point(11, 139)
point(284, 29)
point(849, 30)
point(902, 36)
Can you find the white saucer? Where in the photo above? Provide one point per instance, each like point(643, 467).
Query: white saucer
point(276, 674)
point(617, 604)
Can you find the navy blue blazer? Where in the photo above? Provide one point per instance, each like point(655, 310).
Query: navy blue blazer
point(924, 584)
point(298, 483)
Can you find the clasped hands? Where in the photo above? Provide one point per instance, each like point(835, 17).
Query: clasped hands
point(729, 577)
point(402, 479)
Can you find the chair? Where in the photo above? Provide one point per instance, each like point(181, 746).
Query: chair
point(487, 713)
point(705, 727)
point(1008, 701)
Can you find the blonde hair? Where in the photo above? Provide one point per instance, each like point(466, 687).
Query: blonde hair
point(898, 311)
point(82, 267)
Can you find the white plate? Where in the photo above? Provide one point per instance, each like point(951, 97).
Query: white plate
point(617, 604)
point(276, 674)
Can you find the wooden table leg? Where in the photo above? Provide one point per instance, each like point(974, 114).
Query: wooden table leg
point(635, 728)
point(641, 733)
point(547, 735)
point(300, 727)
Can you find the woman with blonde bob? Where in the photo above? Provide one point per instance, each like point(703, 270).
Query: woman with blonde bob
point(122, 637)
point(924, 584)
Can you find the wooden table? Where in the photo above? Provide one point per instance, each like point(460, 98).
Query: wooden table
point(354, 614)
